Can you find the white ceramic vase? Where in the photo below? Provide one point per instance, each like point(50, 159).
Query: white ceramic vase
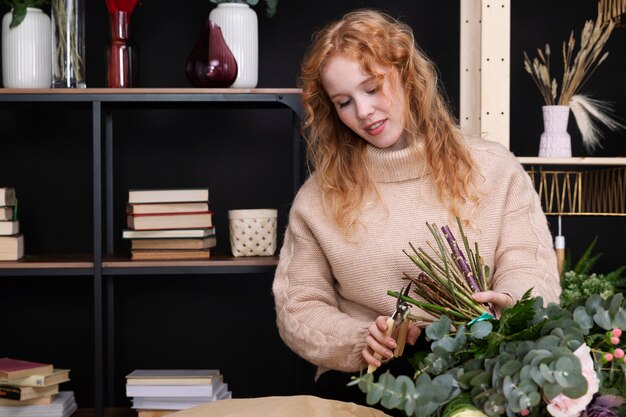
point(26, 51)
point(555, 141)
point(239, 26)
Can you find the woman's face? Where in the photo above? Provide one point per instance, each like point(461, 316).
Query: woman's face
point(374, 113)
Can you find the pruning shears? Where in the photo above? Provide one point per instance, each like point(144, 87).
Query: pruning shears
point(398, 319)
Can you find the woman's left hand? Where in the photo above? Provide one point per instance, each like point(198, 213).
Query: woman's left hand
point(498, 299)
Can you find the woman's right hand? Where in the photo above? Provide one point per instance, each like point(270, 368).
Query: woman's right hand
point(377, 341)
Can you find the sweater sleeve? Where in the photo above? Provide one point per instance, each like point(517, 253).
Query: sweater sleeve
point(525, 257)
point(307, 313)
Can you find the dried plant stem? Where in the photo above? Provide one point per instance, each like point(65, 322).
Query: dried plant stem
point(68, 62)
point(578, 65)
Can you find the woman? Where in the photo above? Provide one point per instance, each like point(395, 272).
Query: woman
point(387, 157)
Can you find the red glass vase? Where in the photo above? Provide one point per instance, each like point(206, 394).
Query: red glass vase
point(211, 63)
point(121, 54)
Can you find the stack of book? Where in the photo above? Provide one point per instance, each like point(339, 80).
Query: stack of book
point(31, 389)
point(11, 240)
point(169, 224)
point(158, 392)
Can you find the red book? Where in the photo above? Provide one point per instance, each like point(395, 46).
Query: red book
point(155, 221)
point(15, 368)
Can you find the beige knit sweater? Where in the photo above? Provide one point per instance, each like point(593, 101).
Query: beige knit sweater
point(329, 290)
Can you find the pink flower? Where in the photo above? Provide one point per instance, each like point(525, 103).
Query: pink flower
point(615, 340)
point(619, 353)
point(562, 406)
point(617, 332)
point(608, 357)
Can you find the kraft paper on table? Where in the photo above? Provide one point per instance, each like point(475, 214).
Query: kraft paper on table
point(288, 406)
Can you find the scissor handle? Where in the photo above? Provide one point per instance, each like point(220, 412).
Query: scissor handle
point(401, 340)
point(391, 323)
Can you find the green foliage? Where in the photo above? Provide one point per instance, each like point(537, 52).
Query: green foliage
point(579, 282)
point(19, 9)
point(507, 366)
point(270, 9)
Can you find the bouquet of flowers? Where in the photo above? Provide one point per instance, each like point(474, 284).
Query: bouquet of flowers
point(533, 360)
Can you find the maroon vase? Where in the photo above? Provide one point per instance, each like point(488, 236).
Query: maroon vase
point(211, 62)
point(121, 54)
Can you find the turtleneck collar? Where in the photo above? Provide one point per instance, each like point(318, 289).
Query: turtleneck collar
point(394, 165)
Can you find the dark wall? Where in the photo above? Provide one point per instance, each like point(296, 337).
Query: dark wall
point(244, 157)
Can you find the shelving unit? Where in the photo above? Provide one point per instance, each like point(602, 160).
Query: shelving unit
point(102, 265)
point(567, 187)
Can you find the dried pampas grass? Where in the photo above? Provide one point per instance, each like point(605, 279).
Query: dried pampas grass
point(590, 112)
point(578, 66)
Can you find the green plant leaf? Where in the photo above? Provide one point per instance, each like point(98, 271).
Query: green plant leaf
point(439, 329)
point(481, 329)
point(19, 13)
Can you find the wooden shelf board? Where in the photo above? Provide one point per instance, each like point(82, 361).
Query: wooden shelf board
point(112, 261)
point(50, 262)
point(529, 160)
point(81, 91)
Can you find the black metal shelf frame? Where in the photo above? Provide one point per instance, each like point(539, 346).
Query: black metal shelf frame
point(102, 104)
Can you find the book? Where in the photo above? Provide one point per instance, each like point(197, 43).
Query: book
point(6, 213)
point(15, 368)
point(154, 254)
point(11, 247)
point(205, 243)
point(173, 377)
point(201, 390)
point(168, 234)
point(62, 405)
point(7, 196)
point(9, 227)
point(170, 221)
point(14, 392)
point(180, 195)
point(179, 403)
point(33, 401)
point(56, 377)
point(151, 208)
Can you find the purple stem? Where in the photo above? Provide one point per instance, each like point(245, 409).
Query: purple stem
point(460, 260)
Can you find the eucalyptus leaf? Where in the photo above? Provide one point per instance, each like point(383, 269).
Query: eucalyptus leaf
point(481, 380)
point(551, 390)
point(537, 376)
point(547, 374)
point(537, 356)
point(615, 303)
point(447, 343)
point(510, 367)
point(592, 303)
point(548, 342)
point(576, 389)
point(446, 388)
point(481, 329)
point(602, 318)
point(582, 319)
point(620, 319)
point(439, 329)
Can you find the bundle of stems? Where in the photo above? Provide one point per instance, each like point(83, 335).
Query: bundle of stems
point(449, 277)
point(68, 64)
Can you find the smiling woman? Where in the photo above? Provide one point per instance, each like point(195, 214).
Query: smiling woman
point(387, 157)
point(372, 107)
